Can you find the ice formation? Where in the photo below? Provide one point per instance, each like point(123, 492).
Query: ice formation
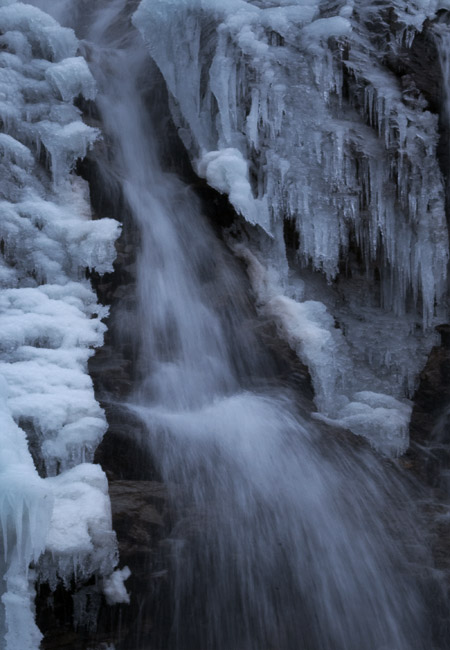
point(309, 329)
point(288, 108)
point(54, 508)
point(114, 588)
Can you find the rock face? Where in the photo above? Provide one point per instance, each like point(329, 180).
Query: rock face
point(142, 521)
point(430, 422)
point(419, 71)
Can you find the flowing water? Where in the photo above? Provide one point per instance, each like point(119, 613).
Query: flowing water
point(284, 537)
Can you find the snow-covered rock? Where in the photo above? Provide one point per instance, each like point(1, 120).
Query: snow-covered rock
point(310, 330)
point(59, 519)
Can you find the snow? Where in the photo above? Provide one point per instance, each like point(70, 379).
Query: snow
point(25, 510)
point(227, 171)
point(382, 420)
point(46, 37)
point(15, 152)
point(70, 78)
point(80, 535)
point(114, 588)
point(325, 28)
point(48, 385)
point(18, 602)
point(25, 498)
point(58, 520)
point(66, 143)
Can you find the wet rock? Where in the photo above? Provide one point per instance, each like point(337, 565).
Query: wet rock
point(139, 510)
point(430, 422)
point(418, 68)
point(141, 519)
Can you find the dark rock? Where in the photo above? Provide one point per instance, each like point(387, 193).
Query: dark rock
point(419, 68)
point(430, 422)
point(141, 520)
point(138, 509)
point(444, 331)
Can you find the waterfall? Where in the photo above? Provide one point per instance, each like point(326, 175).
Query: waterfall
point(283, 537)
point(286, 533)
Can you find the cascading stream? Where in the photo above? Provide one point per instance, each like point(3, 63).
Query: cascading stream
point(285, 539)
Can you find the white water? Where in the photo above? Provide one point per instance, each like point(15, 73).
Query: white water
point(282, 540)
point(285, 538)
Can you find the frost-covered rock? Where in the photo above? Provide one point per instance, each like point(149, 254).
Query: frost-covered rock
point(309, 329)
point(81, 528)
point(59, 519)
point(289, 108)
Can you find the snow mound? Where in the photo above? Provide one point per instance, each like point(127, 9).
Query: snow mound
point(227, 171)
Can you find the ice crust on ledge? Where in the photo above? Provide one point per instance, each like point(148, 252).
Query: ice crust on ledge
point(288, 107)
point(310, 330)
point(80, 529)
point(54, 508)
point(227, 171)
